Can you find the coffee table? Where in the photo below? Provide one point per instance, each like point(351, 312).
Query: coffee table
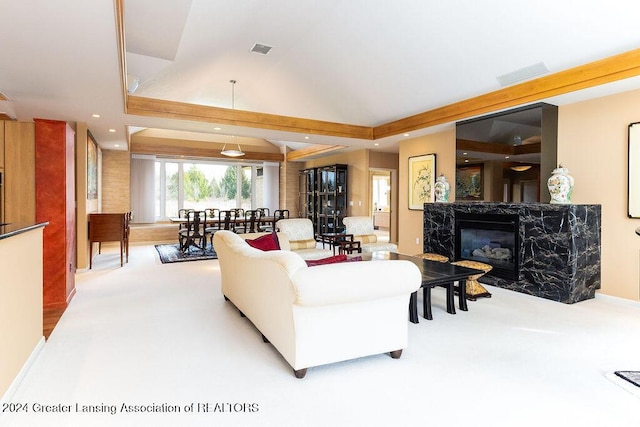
point(434, 274)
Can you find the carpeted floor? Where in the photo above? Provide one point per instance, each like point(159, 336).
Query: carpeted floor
point(172, 253)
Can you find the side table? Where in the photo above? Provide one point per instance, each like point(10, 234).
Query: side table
point(335, 240)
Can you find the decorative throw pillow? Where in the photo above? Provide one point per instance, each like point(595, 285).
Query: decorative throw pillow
point(268, 242)
point(328, 260)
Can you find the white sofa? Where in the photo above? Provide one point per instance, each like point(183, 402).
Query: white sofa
point(299, 232)
point(362, 229)
point(322, 314)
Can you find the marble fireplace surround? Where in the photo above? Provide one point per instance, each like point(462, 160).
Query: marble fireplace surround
point(559, 252)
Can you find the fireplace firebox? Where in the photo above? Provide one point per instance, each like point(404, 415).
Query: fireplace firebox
point(491, 239)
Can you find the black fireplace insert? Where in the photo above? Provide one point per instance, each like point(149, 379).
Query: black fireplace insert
point(491, 239)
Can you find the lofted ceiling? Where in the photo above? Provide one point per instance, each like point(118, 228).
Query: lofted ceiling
point(354, 74)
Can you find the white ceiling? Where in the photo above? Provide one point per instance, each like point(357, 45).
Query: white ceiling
point(357, 62)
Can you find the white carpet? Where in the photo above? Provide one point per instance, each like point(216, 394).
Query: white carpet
point(154, 334)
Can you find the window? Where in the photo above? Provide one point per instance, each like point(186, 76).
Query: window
point(201, 185)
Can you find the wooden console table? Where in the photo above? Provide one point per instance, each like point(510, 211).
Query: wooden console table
point(109, 227)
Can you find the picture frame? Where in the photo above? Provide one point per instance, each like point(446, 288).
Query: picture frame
point(92, 167)
point(633, 195)
point(470, 182)
point(422, 176)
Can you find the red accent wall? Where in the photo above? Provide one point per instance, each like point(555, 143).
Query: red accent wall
point(55, 203)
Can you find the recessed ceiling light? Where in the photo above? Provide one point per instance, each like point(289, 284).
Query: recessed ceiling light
point(466, 160)
point(306, 137)
point(112, 130)
point(464, 154)
point(95, 116)
point(116, 145)
point(406, 134)
point(506, 157)
point(217, 128)
point(376, 144)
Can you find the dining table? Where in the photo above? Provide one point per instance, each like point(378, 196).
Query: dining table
point(268, 220)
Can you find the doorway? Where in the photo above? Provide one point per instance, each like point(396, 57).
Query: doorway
point(381, 204)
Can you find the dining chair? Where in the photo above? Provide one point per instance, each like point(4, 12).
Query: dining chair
point(251, 222)
point(212, 224)
point(127, 233)
point(279, 214)
point(192, 234)
point(226, 221)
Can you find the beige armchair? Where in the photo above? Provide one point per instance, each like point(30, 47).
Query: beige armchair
point(362, 229)
point(299, 232)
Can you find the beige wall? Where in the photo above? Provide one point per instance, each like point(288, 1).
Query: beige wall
point(116, 168)
point(592, 144)
point(443, 145)
point(358, 180)
point(20, 302)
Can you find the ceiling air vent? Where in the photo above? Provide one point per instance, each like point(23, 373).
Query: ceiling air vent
point(260, 48)
point(523, 74)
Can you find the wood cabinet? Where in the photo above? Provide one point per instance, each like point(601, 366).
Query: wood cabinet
point(19, 172)
point(55, 203)
point(323, 197)
point(307, 195)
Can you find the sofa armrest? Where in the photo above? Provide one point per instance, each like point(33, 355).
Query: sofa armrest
point(355, 282)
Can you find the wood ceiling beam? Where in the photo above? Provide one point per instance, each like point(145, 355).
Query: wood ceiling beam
point(183, 111)
point(200, 152)
point(314, 150)
point(596, 73)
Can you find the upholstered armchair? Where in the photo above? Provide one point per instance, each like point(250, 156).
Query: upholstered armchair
point(362, 229)
point(299, 232)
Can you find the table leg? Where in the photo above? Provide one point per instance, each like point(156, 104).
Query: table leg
point(426, 303)
point(451, 305)
point(413, 307)
point(462, 295)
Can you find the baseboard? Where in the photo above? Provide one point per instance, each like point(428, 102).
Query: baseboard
point(8, 395)
point(618, 300)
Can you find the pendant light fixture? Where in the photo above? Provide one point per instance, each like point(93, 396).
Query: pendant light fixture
point(232, 152)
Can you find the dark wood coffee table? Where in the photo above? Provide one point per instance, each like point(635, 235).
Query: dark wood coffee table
point(434, 274)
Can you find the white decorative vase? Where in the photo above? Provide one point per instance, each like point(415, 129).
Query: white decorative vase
point(560, 185)
point(441, 189)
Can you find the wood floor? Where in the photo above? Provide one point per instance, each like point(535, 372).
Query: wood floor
point(50, 319)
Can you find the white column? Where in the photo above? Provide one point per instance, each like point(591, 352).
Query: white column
point(271, 185)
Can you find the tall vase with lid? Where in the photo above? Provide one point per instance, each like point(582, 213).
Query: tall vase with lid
point(560, 185)
point(442, 189)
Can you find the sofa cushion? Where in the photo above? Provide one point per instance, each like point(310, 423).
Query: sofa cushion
point(367, 238)
point(296, 245)
point(268, 242)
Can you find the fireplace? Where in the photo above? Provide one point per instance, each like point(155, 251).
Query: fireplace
point(491, 239)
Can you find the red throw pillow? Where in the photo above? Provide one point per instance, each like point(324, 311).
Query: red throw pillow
point(329, 260)
point(268, 242)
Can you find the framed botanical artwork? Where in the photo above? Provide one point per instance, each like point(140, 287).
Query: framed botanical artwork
point(470, 182)
point(422, 176)
point(92, 168)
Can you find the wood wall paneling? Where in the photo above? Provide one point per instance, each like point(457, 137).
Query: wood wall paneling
point(55, 203)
